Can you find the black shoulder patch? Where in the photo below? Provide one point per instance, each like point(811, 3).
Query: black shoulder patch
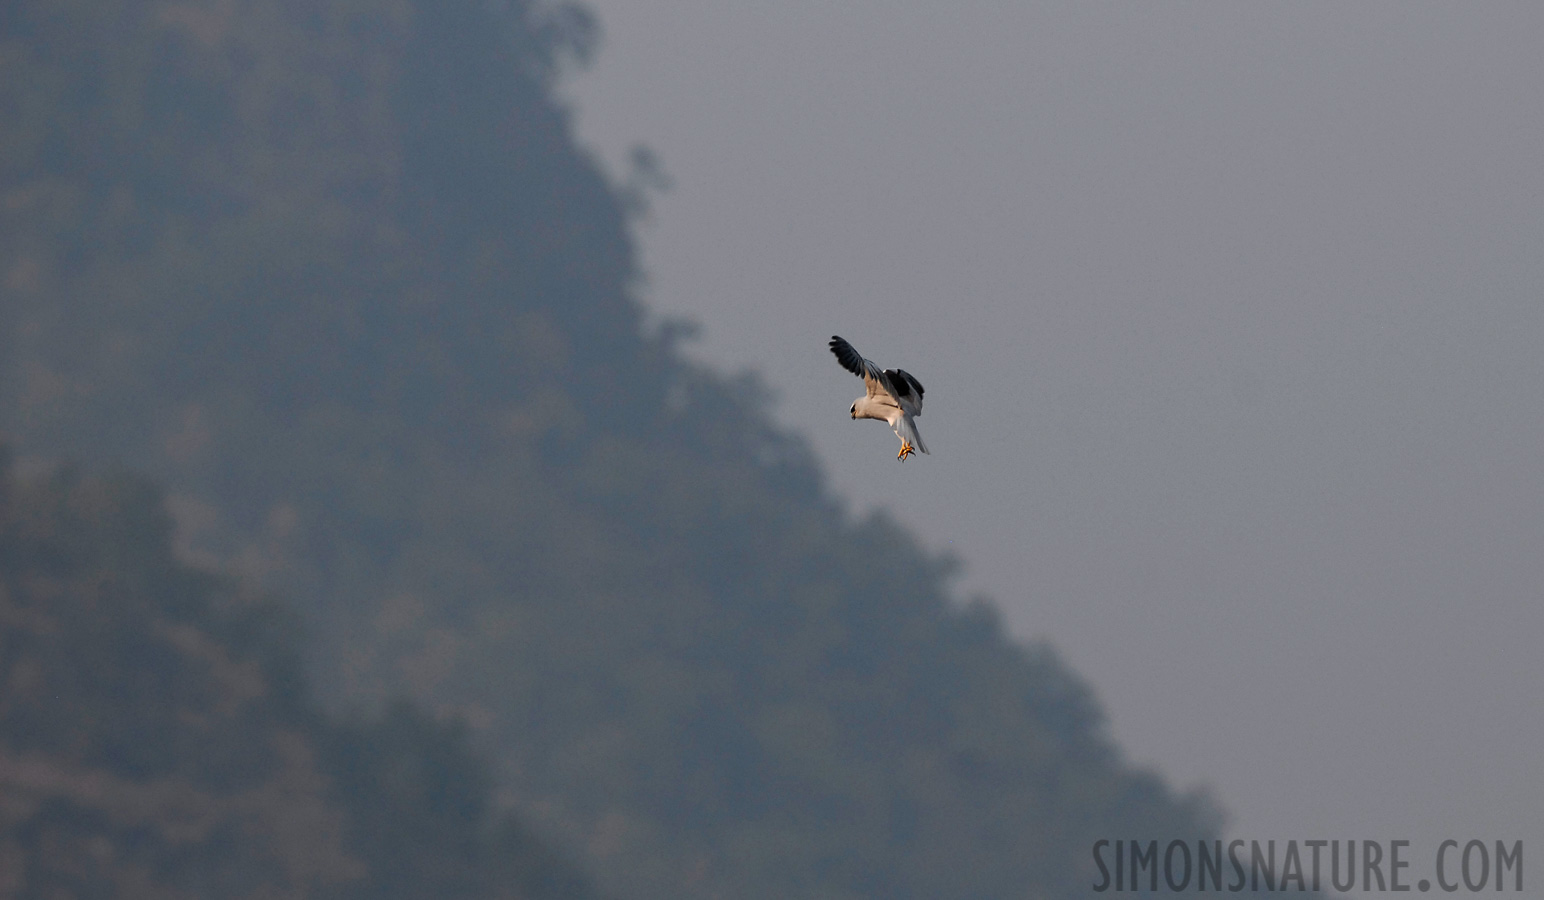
point(912, 382)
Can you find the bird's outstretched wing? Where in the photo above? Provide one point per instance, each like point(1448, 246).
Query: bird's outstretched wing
point(903, 390)
point(906, 390)
point(848, 356)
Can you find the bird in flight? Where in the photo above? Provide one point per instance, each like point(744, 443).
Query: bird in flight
point(893, 396)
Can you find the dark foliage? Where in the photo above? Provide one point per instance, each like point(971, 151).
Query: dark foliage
point(155, 740)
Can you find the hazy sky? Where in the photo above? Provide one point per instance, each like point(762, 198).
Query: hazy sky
point(1231, 318)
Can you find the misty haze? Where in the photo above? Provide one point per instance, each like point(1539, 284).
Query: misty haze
point(425, 474)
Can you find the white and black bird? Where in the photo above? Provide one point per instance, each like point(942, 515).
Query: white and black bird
point(893, 396)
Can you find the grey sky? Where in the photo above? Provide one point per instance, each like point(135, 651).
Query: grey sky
point(1232, 323)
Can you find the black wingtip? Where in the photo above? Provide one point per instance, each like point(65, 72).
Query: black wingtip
point(846, 355)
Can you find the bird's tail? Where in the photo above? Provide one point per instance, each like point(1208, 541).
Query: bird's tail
point(907, 429)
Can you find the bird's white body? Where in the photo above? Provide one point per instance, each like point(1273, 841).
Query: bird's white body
point(884, 408)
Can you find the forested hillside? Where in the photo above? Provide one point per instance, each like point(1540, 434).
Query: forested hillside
point(157, 740)
point(337, 275)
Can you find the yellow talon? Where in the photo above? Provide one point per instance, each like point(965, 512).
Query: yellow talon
point(906, 450)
